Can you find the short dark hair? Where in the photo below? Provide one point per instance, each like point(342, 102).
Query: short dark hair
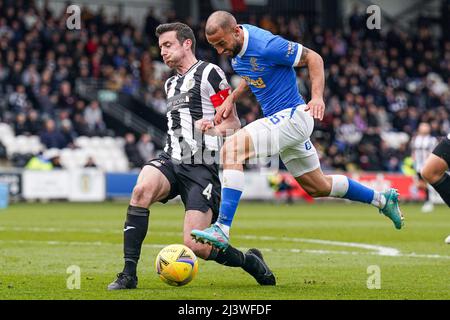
point(183, 32)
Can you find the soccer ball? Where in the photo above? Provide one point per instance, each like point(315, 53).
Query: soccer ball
point(176, 265)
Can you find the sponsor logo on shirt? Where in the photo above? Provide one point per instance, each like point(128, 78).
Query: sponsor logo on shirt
point(258, 83)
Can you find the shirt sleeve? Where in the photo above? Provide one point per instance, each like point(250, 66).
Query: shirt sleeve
point(217, 87)
point(217, 80)
point(283, 52)
point(166, 85)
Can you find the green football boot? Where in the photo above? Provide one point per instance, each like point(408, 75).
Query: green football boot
point(212, 235)
point(391, 209)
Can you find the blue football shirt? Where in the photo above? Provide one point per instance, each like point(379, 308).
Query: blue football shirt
point(266, 62)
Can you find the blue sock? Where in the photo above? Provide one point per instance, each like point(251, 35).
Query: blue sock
point(228, 206)
point(358, 192)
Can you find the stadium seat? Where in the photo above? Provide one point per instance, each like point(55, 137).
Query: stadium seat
point(82, 141)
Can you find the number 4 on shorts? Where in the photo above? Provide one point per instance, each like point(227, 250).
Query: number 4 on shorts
point(207, 192)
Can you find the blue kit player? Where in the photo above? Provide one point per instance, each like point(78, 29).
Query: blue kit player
point(266, 62)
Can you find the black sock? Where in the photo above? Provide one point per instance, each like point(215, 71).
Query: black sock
point(135, 230)
point(443, 188)
point(232, 257)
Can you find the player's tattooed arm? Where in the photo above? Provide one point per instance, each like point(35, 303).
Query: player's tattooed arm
point(303, 57)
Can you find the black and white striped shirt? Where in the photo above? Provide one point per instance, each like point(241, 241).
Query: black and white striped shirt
point(188, 100)
point(421, 147)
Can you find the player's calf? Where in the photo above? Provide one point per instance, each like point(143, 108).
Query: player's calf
point(201, 250)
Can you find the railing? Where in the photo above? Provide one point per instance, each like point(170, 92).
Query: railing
point(89, 88)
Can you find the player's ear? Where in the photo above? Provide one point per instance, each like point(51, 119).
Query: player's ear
point(236, 32)
point(187, 44)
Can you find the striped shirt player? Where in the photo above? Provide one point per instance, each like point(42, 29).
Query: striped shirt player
point(421, 147)
point(189, 160)
point(191, 97)
point(192, 94)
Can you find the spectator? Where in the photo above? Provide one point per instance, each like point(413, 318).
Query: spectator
point(151, 22)
point(52, 137)
point(90, 163)
point(20, 125)
point(68, 133)
point(34, 125)
point(146, 147)
point(18, 100)
point(80, 126)
point(94, 118)
point(132, 151)
point(44, 101)
point(66, 100)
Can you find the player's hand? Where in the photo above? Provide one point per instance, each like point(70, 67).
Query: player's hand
point(316, 107)
point(204, 125)
point(224, 110)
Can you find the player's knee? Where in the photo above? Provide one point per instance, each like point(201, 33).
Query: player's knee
point(430, 175)
point(143, 195)
point(426, 174)
point(228, 153)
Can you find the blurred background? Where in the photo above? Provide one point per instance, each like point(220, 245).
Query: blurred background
point(82, 110)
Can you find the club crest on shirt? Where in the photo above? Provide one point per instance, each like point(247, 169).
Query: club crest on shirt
point(254, 64)
point(190, 84)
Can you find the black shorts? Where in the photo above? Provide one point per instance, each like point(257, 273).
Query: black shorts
point(197, 184)
point(442, 150)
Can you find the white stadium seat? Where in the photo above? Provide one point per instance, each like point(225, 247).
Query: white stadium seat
point(82, 141)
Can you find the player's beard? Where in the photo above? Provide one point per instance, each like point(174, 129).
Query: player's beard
point(236, 49)
point(173, 63)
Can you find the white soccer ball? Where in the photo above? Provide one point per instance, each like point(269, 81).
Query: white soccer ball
point(447, 240)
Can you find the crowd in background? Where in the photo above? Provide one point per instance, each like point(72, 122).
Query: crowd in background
point(376, 82)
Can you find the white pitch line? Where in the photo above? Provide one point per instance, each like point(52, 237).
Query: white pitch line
point(157, 246)
point(382, 251)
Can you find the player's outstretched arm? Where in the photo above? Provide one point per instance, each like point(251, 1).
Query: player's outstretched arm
point(228, 105)
point(227, 127)
point(314, 63)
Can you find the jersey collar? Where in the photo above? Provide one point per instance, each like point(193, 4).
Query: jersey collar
point(189, 70)
point(245, 45)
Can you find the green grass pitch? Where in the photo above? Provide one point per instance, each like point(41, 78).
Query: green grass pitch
point(318, 251)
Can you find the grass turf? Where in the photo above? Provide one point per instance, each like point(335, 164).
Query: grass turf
point(319, 251)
